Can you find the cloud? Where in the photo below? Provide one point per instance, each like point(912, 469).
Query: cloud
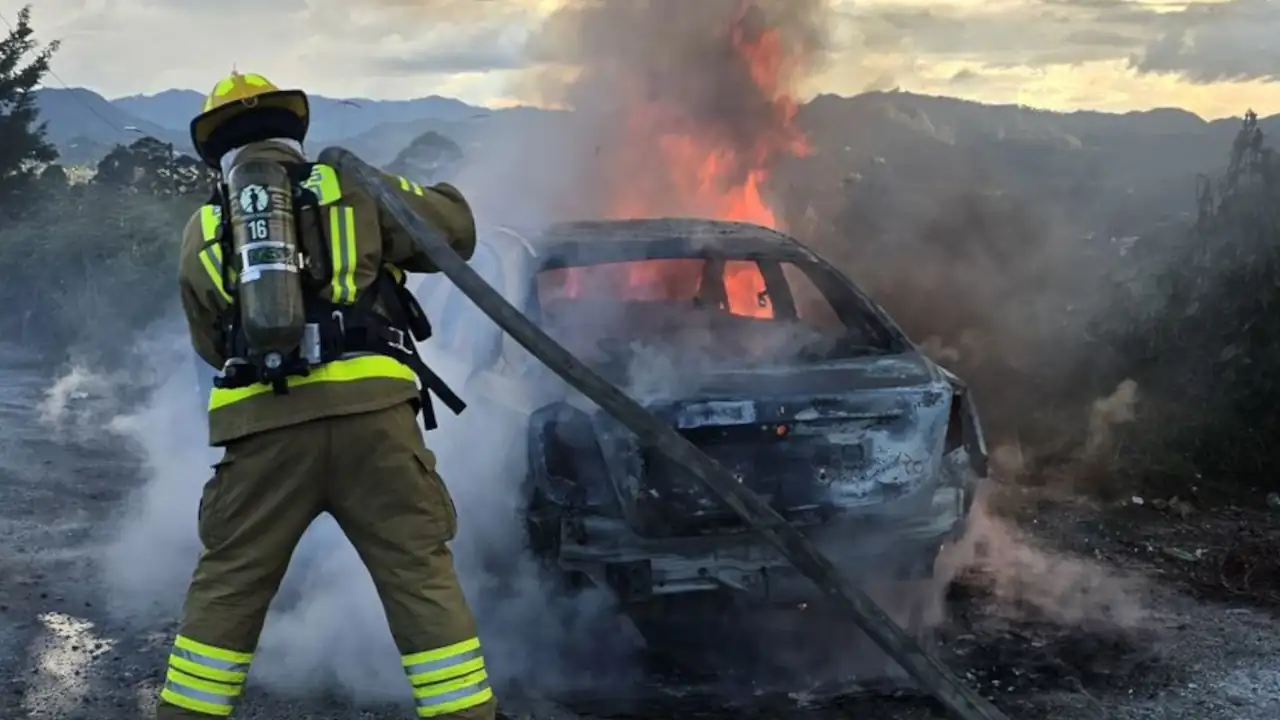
point(1202, 41)
point(392, 48)
point(1101, 38)
point(1214, 42)
point(491, 46)
point(1008, 34)
point(493, 51)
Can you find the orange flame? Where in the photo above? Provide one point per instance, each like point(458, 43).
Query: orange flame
point(704, 174)
point(706, 171)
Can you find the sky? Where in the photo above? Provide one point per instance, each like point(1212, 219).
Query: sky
point(1216, 58)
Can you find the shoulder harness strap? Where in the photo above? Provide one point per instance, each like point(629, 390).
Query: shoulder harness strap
point(318, 190)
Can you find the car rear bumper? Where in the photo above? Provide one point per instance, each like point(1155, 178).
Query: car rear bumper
point(869, 544)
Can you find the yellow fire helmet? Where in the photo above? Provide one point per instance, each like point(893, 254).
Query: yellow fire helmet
point(245, 108)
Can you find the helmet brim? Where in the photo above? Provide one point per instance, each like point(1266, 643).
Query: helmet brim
point(205, 125)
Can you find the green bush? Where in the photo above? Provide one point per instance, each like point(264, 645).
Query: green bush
point(89, 266)
point(1204, 341)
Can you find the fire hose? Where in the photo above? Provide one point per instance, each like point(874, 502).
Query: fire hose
point(962, 702)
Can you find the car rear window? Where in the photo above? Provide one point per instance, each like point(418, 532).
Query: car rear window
point(740, 310)
point(665, 280)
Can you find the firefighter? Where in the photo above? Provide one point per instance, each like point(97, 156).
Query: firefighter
point(328, 426)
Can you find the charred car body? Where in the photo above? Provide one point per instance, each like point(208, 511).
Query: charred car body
point(760, 353)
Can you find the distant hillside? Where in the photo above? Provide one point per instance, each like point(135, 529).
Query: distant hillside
point(84, 125)
point(331, 117)
point(1086, 162)
point(1079, 159)
point(381, 144)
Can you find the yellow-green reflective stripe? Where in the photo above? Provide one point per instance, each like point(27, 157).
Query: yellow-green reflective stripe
point(224, 692)
point(208, 668)
point(396, 273)
point(442, 653)
point(210, 220)
point(358, 368)
point(408, 185)
point(323, 181)
point(192, 700)
point(459, 705)
point(211, 255)
point(446, 669)
point(217, 653)
point(464, 703)
point(342, 242)
point(192, 693)
point(183, 642)
point(211, 258)
point(475, 691)
point(449, 687)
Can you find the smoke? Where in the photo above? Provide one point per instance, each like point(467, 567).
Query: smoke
point(67, 404)
point(326, 627)
point(652, 85)
point(1002, 288)
point(682, 103)
point(534, 633)
point(1118, 408)
point(1029, 580)
point(674, 105)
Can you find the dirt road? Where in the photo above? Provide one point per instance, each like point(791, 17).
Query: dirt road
point(1193, 653)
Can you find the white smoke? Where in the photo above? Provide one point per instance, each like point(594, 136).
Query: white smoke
point(1030, 579)
point(326, 630)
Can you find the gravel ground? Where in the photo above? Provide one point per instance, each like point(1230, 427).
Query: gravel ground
point(1203, 650)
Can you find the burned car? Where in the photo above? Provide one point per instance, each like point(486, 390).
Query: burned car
point(759, 352)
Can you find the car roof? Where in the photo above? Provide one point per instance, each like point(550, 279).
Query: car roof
point(602, 241)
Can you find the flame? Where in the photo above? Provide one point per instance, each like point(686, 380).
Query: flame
point(675, 164)
point(704, 170)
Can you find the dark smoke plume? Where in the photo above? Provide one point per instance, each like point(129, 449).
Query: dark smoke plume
point(712, 81)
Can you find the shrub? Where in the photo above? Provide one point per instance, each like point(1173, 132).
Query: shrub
point(1204, 340)
point(90, 266)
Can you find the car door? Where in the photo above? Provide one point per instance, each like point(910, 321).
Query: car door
point(464, 340)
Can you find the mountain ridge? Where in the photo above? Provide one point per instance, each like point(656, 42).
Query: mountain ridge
point(84, 124)
point(334, 117)
point(937, 140)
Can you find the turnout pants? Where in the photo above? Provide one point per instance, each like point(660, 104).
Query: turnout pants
point(374, 475)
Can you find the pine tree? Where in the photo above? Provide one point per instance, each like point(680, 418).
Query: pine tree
point(23, 148)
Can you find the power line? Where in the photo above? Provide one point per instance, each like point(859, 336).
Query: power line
point(74, 95)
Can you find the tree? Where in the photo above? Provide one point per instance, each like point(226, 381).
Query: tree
point(1202, 339)
point(150, 165)
point(430, 158)
point(23, 148)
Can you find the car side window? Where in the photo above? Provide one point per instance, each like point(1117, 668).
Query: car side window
point(461, 328)
point(812, 306)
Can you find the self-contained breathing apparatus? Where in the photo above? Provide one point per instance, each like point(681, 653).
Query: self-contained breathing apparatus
point(278, 324)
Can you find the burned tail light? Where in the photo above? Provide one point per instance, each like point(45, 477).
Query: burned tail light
point(955, 425)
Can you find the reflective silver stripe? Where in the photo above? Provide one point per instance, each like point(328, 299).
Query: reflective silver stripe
point(453, 695)
point(215, 257)
point(344, 223)
point(437, 665)
point(201, 695)
point(209, 662)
